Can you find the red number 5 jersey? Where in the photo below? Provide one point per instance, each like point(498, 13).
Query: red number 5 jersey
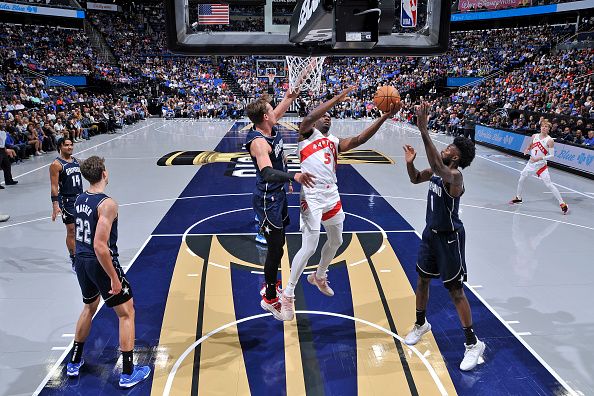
point(319, 156)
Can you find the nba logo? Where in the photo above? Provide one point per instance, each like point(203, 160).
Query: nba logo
point(408, 13)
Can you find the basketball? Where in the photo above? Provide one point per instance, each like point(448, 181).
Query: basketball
point(385, 96)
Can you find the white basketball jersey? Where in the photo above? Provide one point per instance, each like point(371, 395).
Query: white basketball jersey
point(539, 146)
point(319, 156)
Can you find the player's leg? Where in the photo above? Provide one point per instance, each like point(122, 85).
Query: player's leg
point(70, 243)
point(528, 169)
point(545, 176)
point(451, 260)
point(333, 243)
point(427, 269)
point(90, 294)
point(309, 244)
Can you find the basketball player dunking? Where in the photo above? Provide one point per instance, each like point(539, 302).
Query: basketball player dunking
point(66, 186)
point(320, 204)
point(541, 150)
point(99, 273)
point(441, 254)
point(265, 145)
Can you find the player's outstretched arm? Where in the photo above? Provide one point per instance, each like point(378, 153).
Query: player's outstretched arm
point(308, 122)
point(435, 161)
point(355, 141)
point(107, 211)
point(414, 174)
point(283, 106)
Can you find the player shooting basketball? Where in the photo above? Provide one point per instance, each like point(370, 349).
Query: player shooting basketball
point(320, 204)
point(441, 254)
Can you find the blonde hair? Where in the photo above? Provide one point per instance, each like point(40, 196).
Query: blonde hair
point(256, 109)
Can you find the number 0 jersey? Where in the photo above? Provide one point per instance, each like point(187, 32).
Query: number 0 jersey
point(87, 216)
point(70, 178)
point(319, 156)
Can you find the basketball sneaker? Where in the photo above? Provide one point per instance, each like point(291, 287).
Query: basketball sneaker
point(564, 208)
point(279, 291)
point(287, 307)
point(473, 355)
point(140, 373)
point(273, 306)
point(516, 200)
point(260, 239)
point(322, 284)
point(72, 369)
point(416, 333)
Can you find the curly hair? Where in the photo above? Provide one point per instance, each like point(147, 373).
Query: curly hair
point(467, 151)
point(92, 169)
point(61, 142)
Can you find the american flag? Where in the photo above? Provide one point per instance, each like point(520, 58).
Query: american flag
point(213, 14)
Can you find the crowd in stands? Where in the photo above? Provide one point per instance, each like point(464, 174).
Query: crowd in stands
point(526, 79)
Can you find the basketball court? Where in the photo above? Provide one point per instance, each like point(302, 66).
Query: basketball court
point(187, 243)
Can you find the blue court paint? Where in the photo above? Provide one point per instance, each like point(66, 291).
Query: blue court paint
point(510, 368)
point(100, 375)
point(262, 340)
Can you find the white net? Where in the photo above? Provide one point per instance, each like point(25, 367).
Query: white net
point(305, 74)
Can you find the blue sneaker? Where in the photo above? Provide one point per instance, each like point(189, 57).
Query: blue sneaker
point(139, 373)
point(72, 369)
point(260, 239)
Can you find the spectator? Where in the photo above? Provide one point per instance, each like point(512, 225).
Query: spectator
point(4, 160)
point(589, 141)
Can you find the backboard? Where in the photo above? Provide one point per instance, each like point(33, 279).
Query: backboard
point(309, 27)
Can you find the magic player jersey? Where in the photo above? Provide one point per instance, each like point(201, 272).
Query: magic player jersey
point(87, 216)
point(442, 208)
point(319, 156)
point(70, 178)
point(276, 155)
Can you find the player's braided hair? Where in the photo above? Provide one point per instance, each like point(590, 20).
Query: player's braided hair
point(467, 151)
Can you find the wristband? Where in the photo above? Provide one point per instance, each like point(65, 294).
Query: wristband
point(55, 198)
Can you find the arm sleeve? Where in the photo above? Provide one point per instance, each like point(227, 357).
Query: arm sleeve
point(551, 154)
point(271, 175)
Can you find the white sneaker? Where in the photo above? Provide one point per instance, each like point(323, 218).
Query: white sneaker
point(287, 307)
point(473, 355)
point(322, 284)
point(4, 218)
point(272, 306)
point(416, 333)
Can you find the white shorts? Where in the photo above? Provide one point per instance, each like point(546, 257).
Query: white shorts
point(539, 168)
point(320, 206)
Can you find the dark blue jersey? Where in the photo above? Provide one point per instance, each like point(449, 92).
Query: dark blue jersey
point(70, 179)
point(442, 209)
point(276, 157)
point(87, 216)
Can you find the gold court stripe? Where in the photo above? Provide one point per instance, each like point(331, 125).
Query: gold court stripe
point(293, 362)
point(178, 330)
point(379, 368)
point(222, 368)
point(401, 301)
point(169, 161)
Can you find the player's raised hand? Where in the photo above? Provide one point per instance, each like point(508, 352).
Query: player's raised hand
point(305, 178)
point(345, 92)
point(409, 154)
point(392, 112)
point(422, 112)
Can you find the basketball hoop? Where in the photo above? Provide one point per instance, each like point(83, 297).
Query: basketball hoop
point(305, 73)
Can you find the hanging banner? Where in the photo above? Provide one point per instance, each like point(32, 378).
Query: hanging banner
point(474, 5)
